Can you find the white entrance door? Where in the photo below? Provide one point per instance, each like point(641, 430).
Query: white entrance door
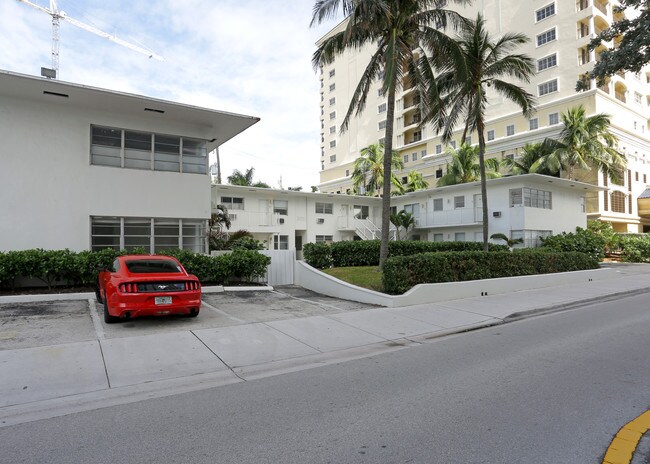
point(478, 208)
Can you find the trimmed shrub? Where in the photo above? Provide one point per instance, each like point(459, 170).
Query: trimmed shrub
point(318, 255)
point(403, 272)
point(634, 248)
point(366, 252)
point(583, 241)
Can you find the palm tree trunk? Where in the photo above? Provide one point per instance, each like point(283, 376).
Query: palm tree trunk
point(388, 159)
point(481, 161)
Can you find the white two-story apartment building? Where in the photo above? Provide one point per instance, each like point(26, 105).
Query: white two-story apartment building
point(528, 207)
point(88, 168)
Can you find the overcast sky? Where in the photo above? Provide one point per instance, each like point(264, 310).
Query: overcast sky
point(250, 57)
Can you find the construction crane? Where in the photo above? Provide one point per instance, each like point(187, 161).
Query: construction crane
point(58, 15)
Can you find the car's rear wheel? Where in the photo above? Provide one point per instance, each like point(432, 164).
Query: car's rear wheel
point(193, 313)
point(107, 317)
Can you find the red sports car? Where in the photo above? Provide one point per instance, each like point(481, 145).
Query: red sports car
point(147, 285)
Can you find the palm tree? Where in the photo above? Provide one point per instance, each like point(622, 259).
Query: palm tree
point(585, 142)
point(219, 220)
point(465, 166)
point(394, 29)
point(460, 93)
point(368, 171)
point(531, 154)
point(246, 179)
point(511, 242)
point(415, 181)
point(402, 219)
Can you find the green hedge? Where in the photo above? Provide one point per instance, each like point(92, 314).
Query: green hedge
point(82, 268)
point(582, 240)
point(634, 248)
point(366, 252)
point(403, 272)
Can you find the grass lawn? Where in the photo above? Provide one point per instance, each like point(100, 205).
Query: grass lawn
point(362, 276)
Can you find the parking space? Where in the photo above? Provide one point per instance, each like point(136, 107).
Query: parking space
point(25, 325)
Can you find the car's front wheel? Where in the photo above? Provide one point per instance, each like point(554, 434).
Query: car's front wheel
point(98, 295)
point(107, 316)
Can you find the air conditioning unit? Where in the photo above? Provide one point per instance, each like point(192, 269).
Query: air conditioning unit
point(280, 220)
point(320, 221)
point(496, 214)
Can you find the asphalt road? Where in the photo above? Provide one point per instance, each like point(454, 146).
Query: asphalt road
point(550, 389)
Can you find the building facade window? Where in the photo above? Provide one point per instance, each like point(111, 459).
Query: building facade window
point(510, 130)
point(545, 12)
point(438, 149)
point(406, 158)
point(235, 203)
point(553, 119)
point(452, 144)
point(532, 198)
point(533, 124)
point(638, 98)
point(490, 134)
point(414, 156)
point(324, 208)
point(332, 115)
point(459, 236)
point(332, 87)
point(149, 151)
point(324, 239)
point(361, 212)
point(281, 207)
point(437, 204)
point(547, 87)
point(332, 72)
point(332, 158)
point(332, 143)
point(423, 153)
point(332, 129)
point(438, 237)
point(459, 202)
point(382, 124)
point(152, 234)
point(280, 242)
point(618, 202)
point(547, 62)
point(438, 173)
point(546, 37)
point(381, 108)
point(532, 238)
point(332, 101)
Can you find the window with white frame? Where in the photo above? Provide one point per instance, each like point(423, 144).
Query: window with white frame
point(438, 237)
point(438, 173)
point(459, 202)
point(490, 134)
point(152, 234)
point(332, 101)
point(414, 156)
point(280, 242)
point(361, 212)
point(545, 12)
point(531, 238)
point(382, 124)
point(533, 123)
point(145, 150)
point(438, 149)
point(324, 238)
point(382, 140)
point(547, 62)
point(332, 158)
point(459, 236)
point(381, 108)
point(332, 87)
point(546, 37)
point(532, 198)
point(281, 207)
point(510, 130)
point(332, 143)
point(236, 203)
point(332, 115)
point(324, 208)
point(423, 153)
point(380, 92)
point(547, 87)
point(332, 72)
point(553, 119)
point(637, 98)
point(332, 129)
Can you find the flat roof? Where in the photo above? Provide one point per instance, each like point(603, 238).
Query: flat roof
point(220, 126)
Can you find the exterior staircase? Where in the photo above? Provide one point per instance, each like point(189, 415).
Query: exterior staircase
point(368, 230)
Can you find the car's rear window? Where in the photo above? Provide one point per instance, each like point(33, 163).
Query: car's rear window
point(152, 266)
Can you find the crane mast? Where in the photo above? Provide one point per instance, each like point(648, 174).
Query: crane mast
point(57, 15)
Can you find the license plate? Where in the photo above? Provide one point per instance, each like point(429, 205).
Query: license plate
point(163, 300)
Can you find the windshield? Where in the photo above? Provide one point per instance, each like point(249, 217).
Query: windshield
point(152, 266)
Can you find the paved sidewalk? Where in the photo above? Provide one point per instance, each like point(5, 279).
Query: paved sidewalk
point(48, 381)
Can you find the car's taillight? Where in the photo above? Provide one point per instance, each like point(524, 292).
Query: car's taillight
point(191, 285)
point(129, 288)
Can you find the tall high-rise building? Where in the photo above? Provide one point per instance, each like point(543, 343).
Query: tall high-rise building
point(559, 32)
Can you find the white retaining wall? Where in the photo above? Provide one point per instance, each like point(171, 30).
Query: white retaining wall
point(312, 279)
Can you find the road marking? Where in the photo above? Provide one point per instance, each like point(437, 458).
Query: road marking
point(621, 450)
point(223, 313)
point(99, 329)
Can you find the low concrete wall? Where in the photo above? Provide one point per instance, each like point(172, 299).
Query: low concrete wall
point(312, 279)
